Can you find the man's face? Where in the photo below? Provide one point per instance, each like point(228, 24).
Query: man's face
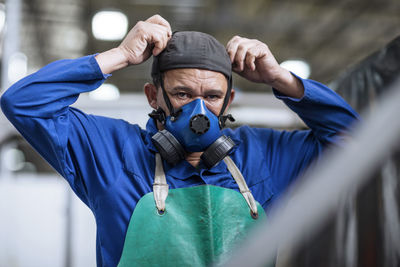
point(185, 85)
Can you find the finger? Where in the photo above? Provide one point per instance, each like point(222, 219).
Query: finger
point(254, 52)
point(157, 19)
point(250, 60)
point(236, 69)
point(158, 47)
point(159, 39)
point(241, 55)
point(231, 47)
point(232, 40)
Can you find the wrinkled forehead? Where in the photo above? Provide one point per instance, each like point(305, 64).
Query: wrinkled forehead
point(195, 78)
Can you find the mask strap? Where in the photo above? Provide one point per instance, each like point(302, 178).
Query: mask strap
point(166, 99)
point(158, 115)
point(221, 117)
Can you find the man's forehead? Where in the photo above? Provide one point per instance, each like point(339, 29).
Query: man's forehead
point(192, 78)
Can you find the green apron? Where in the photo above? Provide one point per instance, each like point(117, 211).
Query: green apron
point(194, 226)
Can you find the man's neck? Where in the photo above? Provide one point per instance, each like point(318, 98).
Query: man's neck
point(194, 158)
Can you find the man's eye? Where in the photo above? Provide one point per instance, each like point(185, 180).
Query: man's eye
point(182, 95)
point(212, 97)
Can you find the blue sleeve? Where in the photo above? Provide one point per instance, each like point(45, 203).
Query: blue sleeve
point(77, 145)
point(322, 110)
point(329, 118)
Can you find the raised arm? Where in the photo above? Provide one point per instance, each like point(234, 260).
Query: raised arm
point(74, 143)
point(144, 39)
point(326, 114)
point(254, 61)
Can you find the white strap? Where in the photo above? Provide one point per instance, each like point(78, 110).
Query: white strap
point(160, 186)
point(237, 175)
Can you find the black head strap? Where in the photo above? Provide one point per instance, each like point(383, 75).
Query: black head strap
point(221, 117)
point(166, 98)
point(174, 112)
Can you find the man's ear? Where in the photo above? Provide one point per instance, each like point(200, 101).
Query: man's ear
point(151, 93)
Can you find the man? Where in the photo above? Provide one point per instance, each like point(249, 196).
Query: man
point(111, 164)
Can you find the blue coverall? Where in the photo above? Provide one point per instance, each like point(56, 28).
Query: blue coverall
point(110, 164)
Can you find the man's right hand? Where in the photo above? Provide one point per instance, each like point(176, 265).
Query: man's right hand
point(144, 39)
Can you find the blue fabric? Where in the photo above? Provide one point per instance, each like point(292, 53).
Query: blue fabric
point(110, 164)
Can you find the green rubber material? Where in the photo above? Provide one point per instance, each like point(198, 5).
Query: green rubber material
point(201, 225)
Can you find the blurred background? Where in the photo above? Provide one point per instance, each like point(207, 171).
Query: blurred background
point(342, 43)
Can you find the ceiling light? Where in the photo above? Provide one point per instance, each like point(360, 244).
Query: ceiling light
point(298, 67)
point(109, 25)
point(105, 92)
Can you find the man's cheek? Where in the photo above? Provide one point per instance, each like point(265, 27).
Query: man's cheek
point(215, 108)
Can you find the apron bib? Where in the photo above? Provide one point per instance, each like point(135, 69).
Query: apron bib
point(194, 226)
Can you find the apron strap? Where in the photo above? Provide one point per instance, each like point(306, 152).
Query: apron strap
point(160, 186)
point(243, 188)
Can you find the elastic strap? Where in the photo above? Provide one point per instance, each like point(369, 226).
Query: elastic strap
point(243, 188)
point(166, 98)
point(221, 117)
point(160, 186)
point(227, 96)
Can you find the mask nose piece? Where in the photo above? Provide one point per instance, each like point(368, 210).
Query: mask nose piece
point(199, 124)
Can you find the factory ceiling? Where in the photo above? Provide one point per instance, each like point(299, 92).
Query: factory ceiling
point(329, 35)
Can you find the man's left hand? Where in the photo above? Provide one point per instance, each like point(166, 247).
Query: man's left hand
point(254, 61)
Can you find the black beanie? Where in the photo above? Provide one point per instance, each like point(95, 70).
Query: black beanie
point(189, 49)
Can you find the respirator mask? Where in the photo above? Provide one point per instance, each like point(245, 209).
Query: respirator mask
point(192, 127)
